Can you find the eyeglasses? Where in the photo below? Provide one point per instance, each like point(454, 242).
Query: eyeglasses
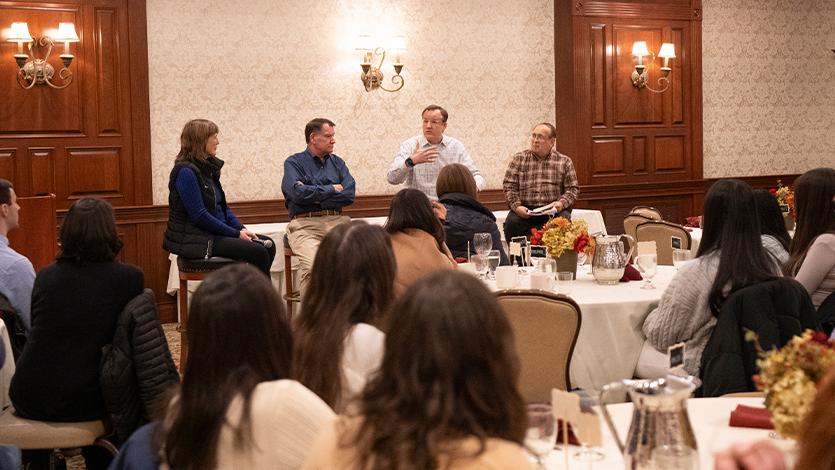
point(540, 137)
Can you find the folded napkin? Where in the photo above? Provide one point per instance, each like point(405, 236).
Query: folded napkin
point(631, 274)
point(751, 417)
point(695, 221)
point(572, 438)
point(460, 259)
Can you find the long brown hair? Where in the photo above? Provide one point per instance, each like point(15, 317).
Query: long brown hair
point(449, 372)
point(456, 178)
point(193, 140)
point(814, 196)
point(817, 436)
point(239, 337)
point(351, 282)
point(410, 208)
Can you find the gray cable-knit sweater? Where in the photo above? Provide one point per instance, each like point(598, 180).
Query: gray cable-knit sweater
point(684, 315)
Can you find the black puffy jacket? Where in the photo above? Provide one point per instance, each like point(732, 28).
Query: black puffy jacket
point(137, 367)
point(776, 310)
point(464, 218)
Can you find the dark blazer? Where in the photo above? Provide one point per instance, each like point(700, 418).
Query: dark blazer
point(137, 367)
point(74, 311)
point(776, 310)
point(464, 218)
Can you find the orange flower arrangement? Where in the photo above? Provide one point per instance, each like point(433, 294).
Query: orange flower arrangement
point(560, 234)
point(789, 376)
point(785, 196)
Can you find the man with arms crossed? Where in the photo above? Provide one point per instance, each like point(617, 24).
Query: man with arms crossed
point(316, 186)
point(16, 272)
point(421, 157)
point(538, 177)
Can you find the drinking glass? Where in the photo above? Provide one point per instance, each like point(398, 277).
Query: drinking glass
point(493, 258)
point(564, 281)
point(541, 431)
point(482, 243)
point(547, 265)
point(648, 265)
point(680, 256)
point(677, 456)
point(480, 264)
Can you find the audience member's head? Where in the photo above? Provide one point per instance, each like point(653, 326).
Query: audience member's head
point(456, 178)
point(411, 209)
point(814, 199)
point(732, 229)
point(771, 219)
point(238, 336)
point(9, 209)
point(351, 282)
point(89, 232)
point(193, 140)
point(817, 437)
point(450, 371)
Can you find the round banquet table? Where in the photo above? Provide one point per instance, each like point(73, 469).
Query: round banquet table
point(708, 417)
point(610, 338)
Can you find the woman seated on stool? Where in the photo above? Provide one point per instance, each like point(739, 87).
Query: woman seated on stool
point(75, 304)
point(465, 216)
point(417, 238)
point(200, 223)
point(445, 396)
point(236, 407)
point(731, 256)
point(812, 254)
point(338, 345)
point(775, 238)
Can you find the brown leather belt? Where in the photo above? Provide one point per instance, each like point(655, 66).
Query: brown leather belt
point(321, 213)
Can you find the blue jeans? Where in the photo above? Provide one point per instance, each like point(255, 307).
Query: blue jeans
point(10, 458)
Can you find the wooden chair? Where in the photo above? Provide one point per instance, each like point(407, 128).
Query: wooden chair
point(291, 296)
point(193, 270)
point(546, 326)
point(63, 439)
point(648, 212)
point(667, 236)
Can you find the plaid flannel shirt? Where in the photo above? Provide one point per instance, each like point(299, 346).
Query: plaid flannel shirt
point(534, 181)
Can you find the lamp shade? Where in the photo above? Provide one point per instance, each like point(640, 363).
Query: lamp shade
point(639, 49)
point(397, 44)
point(668, 51)
point(66, 33)
point(19, 33)
point(363, 43)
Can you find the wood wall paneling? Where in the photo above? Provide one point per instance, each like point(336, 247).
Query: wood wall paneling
point(635, 106)
point(98, 128)
point(7, 163)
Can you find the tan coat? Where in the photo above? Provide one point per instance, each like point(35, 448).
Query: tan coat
point(417, 255)
point(498, 454)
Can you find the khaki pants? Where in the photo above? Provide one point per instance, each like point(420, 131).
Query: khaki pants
point(305, 234)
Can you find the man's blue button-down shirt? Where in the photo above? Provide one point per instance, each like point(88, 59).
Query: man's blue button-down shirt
point(308, 183)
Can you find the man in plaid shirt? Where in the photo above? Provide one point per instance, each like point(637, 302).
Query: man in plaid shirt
point(537, 177)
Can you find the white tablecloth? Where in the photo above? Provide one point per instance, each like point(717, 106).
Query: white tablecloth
point(708, 417)
point(695, 240)
point(610, 338)
point(592, 217)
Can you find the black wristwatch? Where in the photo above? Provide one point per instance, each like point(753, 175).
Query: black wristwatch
point(410, 163)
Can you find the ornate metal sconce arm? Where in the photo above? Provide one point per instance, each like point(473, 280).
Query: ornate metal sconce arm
point(37, 71)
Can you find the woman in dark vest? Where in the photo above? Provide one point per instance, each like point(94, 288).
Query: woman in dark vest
point(200, 223)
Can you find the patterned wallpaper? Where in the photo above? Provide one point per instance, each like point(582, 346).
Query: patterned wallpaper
point(261, 69)
point(769, 86)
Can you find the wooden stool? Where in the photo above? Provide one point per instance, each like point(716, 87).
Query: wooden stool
point(63, 439)
point(290, 296)
point(193, 270)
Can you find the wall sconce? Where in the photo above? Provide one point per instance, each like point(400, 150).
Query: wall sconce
point(37, 71)
point(372, 76)
point(640, 76)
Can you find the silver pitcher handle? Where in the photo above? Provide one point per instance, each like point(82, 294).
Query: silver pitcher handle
point(633, 245)
point(600, 399)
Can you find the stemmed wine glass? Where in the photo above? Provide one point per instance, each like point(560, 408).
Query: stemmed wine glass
point(648, 264)
point(541, 431)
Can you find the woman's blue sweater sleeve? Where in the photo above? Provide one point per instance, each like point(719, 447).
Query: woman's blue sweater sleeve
point(188, 188)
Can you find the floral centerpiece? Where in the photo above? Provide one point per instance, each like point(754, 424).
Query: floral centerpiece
point(789, 377)
point(564, 239)
point(785, 197)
